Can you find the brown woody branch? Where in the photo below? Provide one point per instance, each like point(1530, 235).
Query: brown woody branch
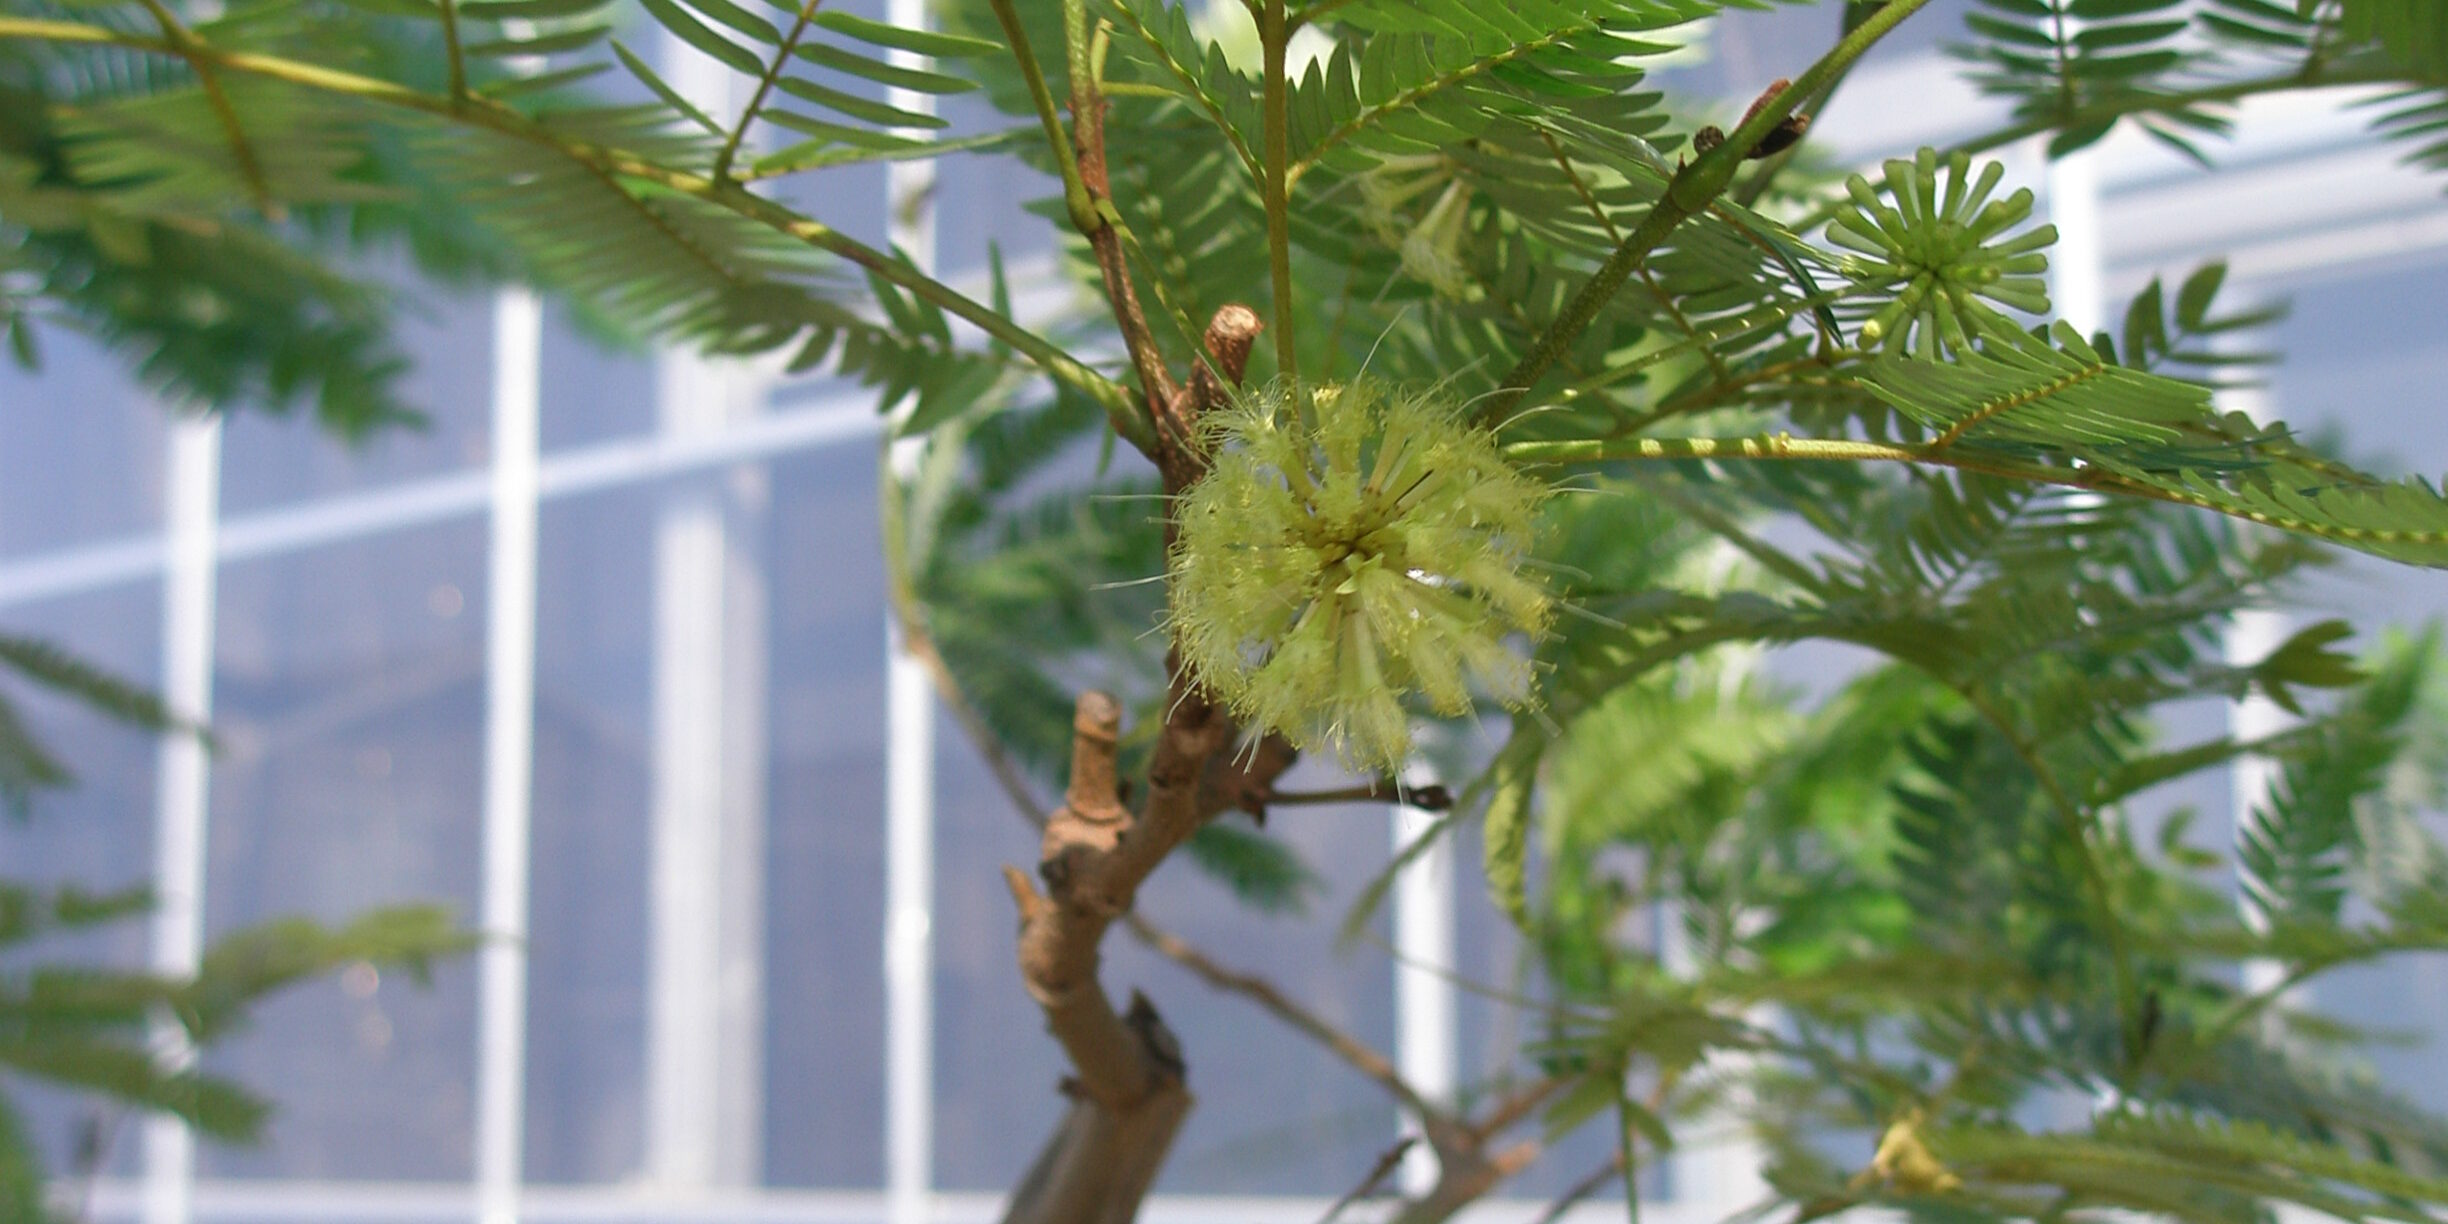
point(1128, 1094)
point(1128, 1091)
point(1589, 1184)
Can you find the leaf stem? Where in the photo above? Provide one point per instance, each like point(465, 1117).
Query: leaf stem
point(764, 89)
point(1075, 190)
point(1690, 190)
point(1187, 77)
point(2077, 824)
point(1275, 36)
point(184, 44)
point(1627, 1155)
point(2149, 103)
point(451, 49)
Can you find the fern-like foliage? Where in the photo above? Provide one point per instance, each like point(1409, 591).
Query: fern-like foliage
point(2412, 34)
point(92, 1030)
point(2062, 58)
point(1943, 869)
point(26, 765)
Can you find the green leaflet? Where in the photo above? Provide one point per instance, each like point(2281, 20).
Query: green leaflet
point(2419, 117)
point(2022, 390)
point(924, 42)
point(2413, 32)
point(689, 29)
point(2297, 847)
point(1506, 832)
point(2194, 1170)
point(1936, 860)
point(56, 669)
point(26, 765)
point(1267, 875)
point(90, 1030)
point(2056, 57)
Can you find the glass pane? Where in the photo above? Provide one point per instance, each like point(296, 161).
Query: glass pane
point(272, 461)
point(824, 867)
point(351, 695)
point(1277, 1112)
point(80, 450)
point(995, 1065)
point(591, 390)
point(586, 1026)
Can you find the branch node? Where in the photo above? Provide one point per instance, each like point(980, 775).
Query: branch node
point(1096, 735)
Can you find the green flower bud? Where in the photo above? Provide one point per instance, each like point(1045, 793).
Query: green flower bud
point(1932, 250)
point(1341, 557)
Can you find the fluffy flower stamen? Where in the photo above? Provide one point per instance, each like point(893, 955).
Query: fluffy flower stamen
point(1341, 557)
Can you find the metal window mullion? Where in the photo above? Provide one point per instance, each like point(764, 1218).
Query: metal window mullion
point(2078, 263)
point(182, 801)
point(509, 759)
point(909, 815)
point(683, 1016)
point(704, 974)
point(1425, 1025)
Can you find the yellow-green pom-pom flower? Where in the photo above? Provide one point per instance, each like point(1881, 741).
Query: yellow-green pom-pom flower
point(1340, 558)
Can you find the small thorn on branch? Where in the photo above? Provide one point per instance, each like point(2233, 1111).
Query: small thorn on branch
point(1162, 1046)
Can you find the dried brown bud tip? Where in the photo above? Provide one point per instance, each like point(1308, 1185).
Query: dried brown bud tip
point(1767, 95)
point(1783, 136)
point(1162, 1045)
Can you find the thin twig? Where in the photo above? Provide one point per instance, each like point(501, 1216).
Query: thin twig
point(1587, 1186)
point(1516, 1106)
point(1357, 1054)
point(1386, 1164)
point(764, 89)
point(1430, 798)
point(1100, 225)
